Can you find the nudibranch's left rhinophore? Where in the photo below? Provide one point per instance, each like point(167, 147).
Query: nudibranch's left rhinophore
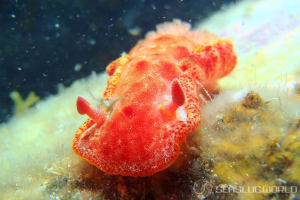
point(157, 85)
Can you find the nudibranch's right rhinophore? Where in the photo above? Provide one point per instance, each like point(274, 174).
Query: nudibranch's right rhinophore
point(155, 92)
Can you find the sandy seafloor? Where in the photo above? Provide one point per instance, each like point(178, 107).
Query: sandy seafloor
point(37, 161)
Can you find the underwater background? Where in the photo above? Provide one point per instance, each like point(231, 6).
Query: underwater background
point(246, 147)
point(44, 43)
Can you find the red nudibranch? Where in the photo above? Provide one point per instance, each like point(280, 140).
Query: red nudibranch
point(155, 92)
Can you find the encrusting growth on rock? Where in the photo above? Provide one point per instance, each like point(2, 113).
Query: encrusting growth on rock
point(252, 144)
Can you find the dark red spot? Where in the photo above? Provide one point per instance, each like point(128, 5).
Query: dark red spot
point(141, 65)
point(168, 70)
point(208, 48)
point(184, 67)
point(128, 111)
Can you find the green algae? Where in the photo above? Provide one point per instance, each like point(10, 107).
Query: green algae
point(21, 105)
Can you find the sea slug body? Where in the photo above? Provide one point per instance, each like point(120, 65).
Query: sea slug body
point(155, 91)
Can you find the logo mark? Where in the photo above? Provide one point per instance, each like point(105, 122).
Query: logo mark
point(203, 189)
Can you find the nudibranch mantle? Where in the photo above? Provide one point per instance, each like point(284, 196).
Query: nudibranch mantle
point(155, 90)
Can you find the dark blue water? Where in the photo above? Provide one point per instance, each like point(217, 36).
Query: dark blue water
point(41, 41)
